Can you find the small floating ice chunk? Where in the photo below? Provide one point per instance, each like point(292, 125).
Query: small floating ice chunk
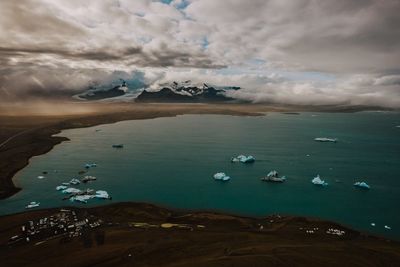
point(221, 176)
point(318, 181)
point(373, 224)
point(388, 227)
point(40, 177)
point(90, 165)
point(362, 185)
point(81, 198)
point(102, 194)
point(88, 178)
point(325, 139)
point(61, 187)
point(74, 181)
point(273, 176)
point(71, 190)
point(243, 159)
point(32, 205)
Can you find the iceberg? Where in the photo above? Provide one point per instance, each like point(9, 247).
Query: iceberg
point(325, 139)
point(243, 159)
point(273, 176)
point(74, 181)
point(88, 179)
point(102, 194)
point(90, 165)
point(40, 177)
point(71, 190)
point(221, 176)
point(362, 185)
point(61, 187)
point(388, 227)
point(32, 205)
point(317, 181)
point(82, 198)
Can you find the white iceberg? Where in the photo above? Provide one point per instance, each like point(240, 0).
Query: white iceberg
point(32, 205)
point(325, 139)
point(221, 176)
point(102, 194)
point(40, 177)
point(318, 181)
point(88, 178)
point(71, 190)
point(82, 198)
point(362, 185)
point(243, 159)
point(61, 187)
point(273, 176)
point(388, 227)
point(74, 181)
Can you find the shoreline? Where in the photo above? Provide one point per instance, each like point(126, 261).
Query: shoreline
point(148, 235)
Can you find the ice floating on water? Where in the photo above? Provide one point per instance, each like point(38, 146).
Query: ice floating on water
point(71, 190)
point(74, 181)
point(317, 181)
point(61, 187)
point(89, 178)
point(221, 176)
point(273, 176)
point(89, 194)
point(388, 227)
point(325, 139)
point(32, 205)
point(90, 165)
point(373, 224)
point(362, 185)
point(243, 159)
point(102, 194)
point(40, 177)
point(81, 198)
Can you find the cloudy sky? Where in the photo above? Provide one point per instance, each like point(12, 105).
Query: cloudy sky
point(284, 51)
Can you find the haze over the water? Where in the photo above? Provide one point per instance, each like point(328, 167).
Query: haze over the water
point(279, 51)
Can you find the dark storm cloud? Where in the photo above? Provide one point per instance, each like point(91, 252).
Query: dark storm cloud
point(100, 55)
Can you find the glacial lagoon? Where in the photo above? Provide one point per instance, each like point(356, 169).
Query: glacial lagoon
point(171, 162)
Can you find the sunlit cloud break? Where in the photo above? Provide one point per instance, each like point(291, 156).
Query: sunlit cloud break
point(279, 51)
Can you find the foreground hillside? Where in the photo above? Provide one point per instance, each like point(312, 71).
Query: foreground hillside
point(129, 234)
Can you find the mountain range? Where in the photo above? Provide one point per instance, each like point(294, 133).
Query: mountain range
point(176, 92)
point(186, 92)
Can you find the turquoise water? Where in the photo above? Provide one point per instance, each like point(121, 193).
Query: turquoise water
point(171, 161)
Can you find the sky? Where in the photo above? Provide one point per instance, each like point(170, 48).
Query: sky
point(311, 52)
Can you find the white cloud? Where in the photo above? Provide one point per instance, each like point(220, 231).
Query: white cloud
point(355, 41)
